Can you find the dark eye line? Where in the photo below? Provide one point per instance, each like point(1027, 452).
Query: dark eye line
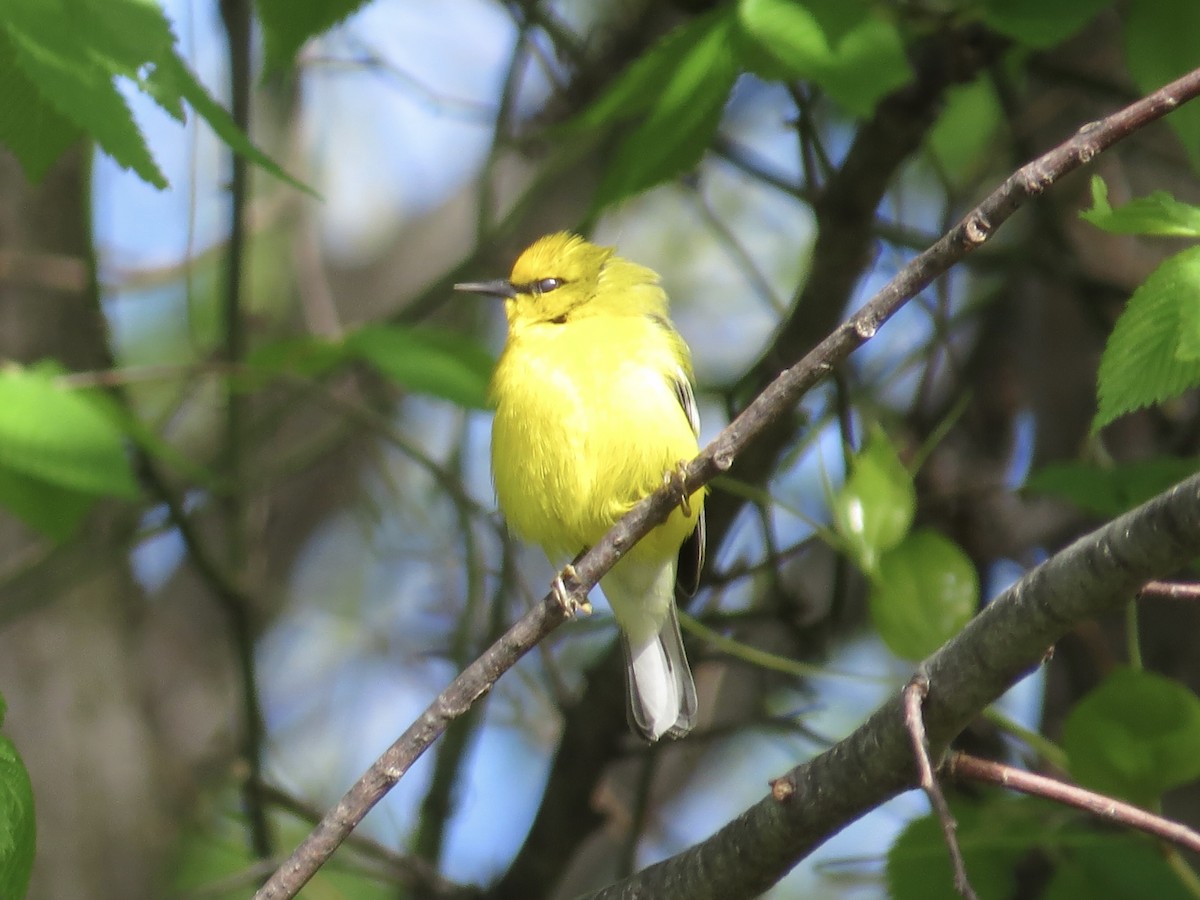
point(541, 286)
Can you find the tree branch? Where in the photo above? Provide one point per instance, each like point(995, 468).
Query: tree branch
point(1096, 574)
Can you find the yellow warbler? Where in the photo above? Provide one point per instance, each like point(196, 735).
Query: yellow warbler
point(594, 409)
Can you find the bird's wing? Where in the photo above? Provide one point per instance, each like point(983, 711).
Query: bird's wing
point(691, 552)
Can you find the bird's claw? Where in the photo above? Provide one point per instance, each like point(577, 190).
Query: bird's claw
point(558, 588)
point(676, 479)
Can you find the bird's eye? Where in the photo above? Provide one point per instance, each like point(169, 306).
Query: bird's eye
point(547, 284)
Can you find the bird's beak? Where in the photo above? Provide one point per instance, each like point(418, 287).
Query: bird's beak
point(501, 287)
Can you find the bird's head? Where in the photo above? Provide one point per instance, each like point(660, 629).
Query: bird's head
point(562, 277)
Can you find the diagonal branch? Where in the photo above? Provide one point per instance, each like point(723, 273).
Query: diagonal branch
point(1096, 574)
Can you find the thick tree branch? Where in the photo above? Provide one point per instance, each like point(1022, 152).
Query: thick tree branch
point(1094, 575)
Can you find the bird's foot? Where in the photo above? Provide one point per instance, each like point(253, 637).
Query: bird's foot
point(558, 588)
point(676, 480)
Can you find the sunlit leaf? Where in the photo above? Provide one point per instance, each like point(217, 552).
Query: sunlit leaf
point(874, 508)
point(1036, 23)
point(1149, 357)
point(59, 436)
point(855, 55)
point(680, 120)
point(1158, 214)
point(922, 593)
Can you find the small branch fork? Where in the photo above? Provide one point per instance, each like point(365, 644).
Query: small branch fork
point(915, 693)
point(778, 397)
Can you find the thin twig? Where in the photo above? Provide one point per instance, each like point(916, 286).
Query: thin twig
point(778, 397)
point(1169, 590)
point(965, 767)
point(915, 693)
point(236, 16)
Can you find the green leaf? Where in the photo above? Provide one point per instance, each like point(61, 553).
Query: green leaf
point(964, 134)
point(1159, 214)
point(993, 837)
point(633, 93)
point(53, 510)
point(58, 65)
point(171, 78)
point(922, 594)
point(867, 65)
point(1150, 357)
point(45, 42)
point(1134, 736)
point(18, 832)
point(680, 121)
point(1161, 45)
point(305, 356)
point(60, 436)
point(1122, 866)
point(442, 363)
point(874, 509)
point(781, 39)
point(35, 132)
point(1036, 23)
point(1111, 490)
point(287, 24)
point(855, 55)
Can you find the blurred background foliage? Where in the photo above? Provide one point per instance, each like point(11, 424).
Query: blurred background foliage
point(248, 529)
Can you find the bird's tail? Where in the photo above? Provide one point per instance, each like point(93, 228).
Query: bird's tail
point(662, 694)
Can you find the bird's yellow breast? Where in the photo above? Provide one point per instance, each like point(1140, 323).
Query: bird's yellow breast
point(588, 423)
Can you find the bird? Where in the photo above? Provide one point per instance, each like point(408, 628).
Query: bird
point(595, 409)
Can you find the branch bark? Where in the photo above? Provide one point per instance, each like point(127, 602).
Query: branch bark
point(1098, 574)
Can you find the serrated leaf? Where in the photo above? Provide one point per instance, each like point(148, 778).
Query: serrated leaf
point(682, 117)
point(634, 91)
point(58, 64)
point(1134, 736)
point(60, 437)
point(874, 509)
point(56, 57)
point(1159, 214)
point(1111, 490)
point(923, 592)
point(171, 77)
point(1142, 363)
point(1161, 45)
point(18, 832)
point(288, 24)
point(30, 127)
point(1036, 23)
point(442, 363)
point(855, 55)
